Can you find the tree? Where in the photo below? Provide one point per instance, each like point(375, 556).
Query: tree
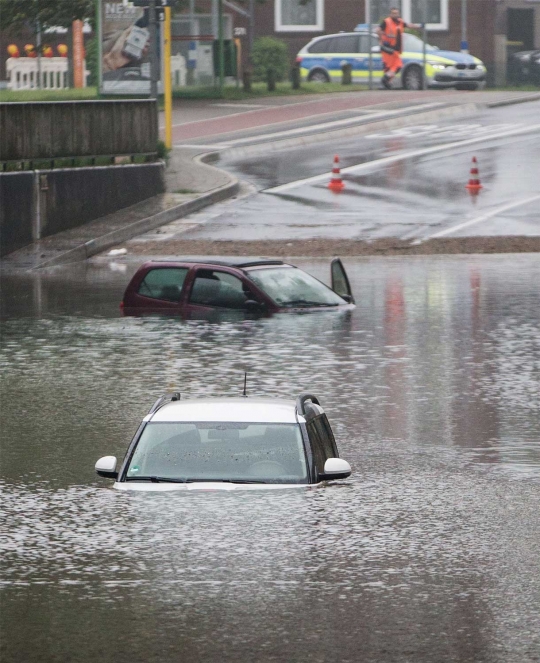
point(15, 15)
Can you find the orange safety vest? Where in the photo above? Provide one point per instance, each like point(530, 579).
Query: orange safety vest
point(390, 34)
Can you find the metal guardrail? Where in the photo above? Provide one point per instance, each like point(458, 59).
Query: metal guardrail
point(51, 130)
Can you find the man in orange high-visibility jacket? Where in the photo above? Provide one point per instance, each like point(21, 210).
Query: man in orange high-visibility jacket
point(390, 33)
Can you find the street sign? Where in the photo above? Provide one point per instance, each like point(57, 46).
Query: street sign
point(146, 3)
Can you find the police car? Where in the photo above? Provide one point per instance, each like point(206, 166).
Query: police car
point(321, 61)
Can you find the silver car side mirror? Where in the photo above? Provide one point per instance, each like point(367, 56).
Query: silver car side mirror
point(106, 467)
point(335, 468)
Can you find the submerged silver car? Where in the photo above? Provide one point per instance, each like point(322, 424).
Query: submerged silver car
point(229, 444)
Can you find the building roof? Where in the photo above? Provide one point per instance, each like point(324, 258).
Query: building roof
point(248, 410)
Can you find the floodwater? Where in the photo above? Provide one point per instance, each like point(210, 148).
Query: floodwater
point(429, 553)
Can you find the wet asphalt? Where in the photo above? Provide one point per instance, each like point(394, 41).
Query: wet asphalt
point(411, 198)
point(429, 553)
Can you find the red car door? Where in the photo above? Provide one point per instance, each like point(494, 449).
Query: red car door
point(213, 289)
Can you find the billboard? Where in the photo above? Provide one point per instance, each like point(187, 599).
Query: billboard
point(125, 49)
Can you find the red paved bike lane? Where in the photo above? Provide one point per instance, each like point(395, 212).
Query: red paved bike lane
point(303, 110)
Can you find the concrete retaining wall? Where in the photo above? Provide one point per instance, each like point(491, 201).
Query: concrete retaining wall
point(36, 204)
point(16, 211)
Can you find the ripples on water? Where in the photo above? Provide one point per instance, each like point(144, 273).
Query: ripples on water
point(432, 386)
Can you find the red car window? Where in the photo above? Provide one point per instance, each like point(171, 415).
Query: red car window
point(220, 289)
point(164, 283)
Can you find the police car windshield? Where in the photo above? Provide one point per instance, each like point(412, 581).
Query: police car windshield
point(412, 44)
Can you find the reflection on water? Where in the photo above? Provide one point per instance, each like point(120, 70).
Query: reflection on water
point(432, 386)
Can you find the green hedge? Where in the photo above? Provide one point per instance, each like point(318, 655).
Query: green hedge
point(270, 55)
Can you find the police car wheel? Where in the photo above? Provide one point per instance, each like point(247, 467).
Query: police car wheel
point(412, 78)
point(319, 76)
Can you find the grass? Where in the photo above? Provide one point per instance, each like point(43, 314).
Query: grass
point(229, 92)
point(69, 162)
point(260, 90)
point(49, 95)
point(195, 92)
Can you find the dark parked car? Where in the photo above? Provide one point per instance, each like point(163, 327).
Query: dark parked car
point(524, 68)
point(254, 285)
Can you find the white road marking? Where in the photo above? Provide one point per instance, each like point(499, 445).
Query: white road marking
point(436, 130)
point(376, 164)
point(483, 217)
point(220, 146)
point(238, 105)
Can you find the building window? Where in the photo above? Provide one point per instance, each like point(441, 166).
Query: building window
point(412, 11)
point(299, 15)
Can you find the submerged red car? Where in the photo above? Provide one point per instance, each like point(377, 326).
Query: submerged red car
point(254, 285)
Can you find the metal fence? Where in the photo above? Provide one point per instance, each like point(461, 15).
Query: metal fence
point(71, 129)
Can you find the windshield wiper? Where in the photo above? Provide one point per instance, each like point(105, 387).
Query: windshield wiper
point(226, 481)
point(158, 479)
point(304, 302)
point(168, 480)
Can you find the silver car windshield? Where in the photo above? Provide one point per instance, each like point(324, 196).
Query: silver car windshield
point(237, 452)
point(289, 286)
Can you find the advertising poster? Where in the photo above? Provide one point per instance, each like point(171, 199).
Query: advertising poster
point(125, 49)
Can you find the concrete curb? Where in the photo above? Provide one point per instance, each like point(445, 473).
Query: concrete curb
point(516, 100)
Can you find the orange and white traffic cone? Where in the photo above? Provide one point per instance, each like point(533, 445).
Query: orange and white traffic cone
point(336, 183)
point(474, 185)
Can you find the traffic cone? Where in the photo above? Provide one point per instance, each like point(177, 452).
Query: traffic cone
point(474, 181)
point(336, 183)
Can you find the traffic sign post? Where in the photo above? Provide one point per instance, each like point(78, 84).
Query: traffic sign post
point(167, 83)
point(221, 47)
point(370, 47)
point(153, 49)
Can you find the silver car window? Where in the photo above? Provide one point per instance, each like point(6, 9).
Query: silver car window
point(215, 451)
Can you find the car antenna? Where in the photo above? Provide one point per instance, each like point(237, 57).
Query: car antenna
point(245, 384)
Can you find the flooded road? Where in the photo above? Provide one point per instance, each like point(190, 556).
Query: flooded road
point(429, 553)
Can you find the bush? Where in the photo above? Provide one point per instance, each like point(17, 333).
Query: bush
point(163, 151)
point(270, 55)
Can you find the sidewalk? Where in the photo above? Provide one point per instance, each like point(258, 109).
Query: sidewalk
point(237, 126)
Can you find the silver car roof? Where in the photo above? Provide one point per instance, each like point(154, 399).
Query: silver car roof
point(244, 410)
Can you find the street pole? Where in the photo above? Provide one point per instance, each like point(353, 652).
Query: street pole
point(38, 40)
point(464, 44)
point(251, 25)
point(424, 47)
point(368, 21)
point(167, 83)
point(154, 65)
point(221, 47)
